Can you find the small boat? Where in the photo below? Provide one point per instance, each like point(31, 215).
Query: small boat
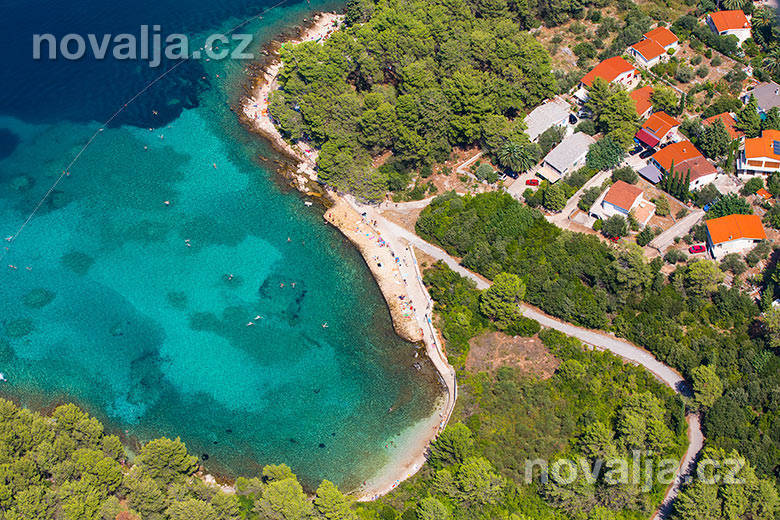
point(308, 203)
point(2, 378)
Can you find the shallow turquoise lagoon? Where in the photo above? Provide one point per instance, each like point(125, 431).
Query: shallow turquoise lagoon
point(203, 317)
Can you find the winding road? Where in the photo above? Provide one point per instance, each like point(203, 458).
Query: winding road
point(393, 233)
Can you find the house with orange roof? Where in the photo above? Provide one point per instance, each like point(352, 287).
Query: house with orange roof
point(729, 122)
point(644, 104)
point(621, 199)
point(684, 159)
point(760, 155)
point(612, 70)
point(660, 128)
point(654, 48)
point(734, 22)
point(733, 234)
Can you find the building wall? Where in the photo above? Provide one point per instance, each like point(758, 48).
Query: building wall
point(760, 165)
point(739, 246)
point(702, 181)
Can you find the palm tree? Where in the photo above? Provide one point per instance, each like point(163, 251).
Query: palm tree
point(772, 62)
point(762, 17)
point(734, 4)
point(517, 157)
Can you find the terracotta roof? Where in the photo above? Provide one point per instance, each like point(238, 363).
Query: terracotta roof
point(764, 194)
point(733, 227)
point(649, 49)
point(763, 146)
point(662, 35)
point(608, 70)
point(677, 153)
point(695, 168)
point(728, 122)
point(642, 98)
point(729, 20)
point(660, 123)
point(623, 195)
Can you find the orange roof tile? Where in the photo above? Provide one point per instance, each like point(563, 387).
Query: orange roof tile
point(660, 123)
point(608, 70)
point(729, 20)
point(675, 153)
point(695, 168)
point(642, 98)
point(764, 194)
point(733, 227)
point(728, 122)
point(763, 146)
point(623, 195)
point(649, 49)
point(662, 35)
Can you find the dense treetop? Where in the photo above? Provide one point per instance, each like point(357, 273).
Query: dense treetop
point(416, 77)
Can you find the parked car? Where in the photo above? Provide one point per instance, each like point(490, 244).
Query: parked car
point(647, 153)
point(572, 119)
point(636, 150)
point(614, 239)
point(532, 182)
point(510, 173)
point(698, 248)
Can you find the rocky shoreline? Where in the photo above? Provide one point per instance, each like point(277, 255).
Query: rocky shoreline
point(390, 258)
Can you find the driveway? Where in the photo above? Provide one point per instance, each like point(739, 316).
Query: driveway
point(679, 228)
point(571, 206)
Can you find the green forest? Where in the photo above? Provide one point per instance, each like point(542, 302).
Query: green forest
point(65, 466)
point(714, 335)
point(415, 77)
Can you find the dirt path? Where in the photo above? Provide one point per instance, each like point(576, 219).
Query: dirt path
point(620, 347)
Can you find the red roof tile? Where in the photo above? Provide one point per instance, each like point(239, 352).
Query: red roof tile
point(733, 227)
point(729, 20)
point(662, 35)
point(728, 122)
point(649, 49)
point(660, 123)
point(623, 195)
point(675, 153)
point(642, 98)
point(608, 70)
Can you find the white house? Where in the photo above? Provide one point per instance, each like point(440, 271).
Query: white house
point(760, 155)
point(612, 70)
point(567, 157)
point(730, 22)
point(733, 234)
point(654, 48)
point(553, 112)
point(621, 199)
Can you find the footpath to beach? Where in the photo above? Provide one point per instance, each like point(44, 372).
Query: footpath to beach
point(391, 262)
point(388, 250)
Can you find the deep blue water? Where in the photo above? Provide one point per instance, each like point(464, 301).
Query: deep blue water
point(139, 310)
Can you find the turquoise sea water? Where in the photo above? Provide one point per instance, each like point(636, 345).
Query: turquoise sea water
point(140, 310)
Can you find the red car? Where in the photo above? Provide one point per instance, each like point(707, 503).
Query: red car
point(614, 239)
point(532, 182)
point(698, 248)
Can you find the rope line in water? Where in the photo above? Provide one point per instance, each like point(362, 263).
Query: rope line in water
point(66, 172)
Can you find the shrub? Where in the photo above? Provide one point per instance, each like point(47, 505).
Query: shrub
point(661, 206)
point(625, 174)
point(702, 71)
point(696, 60)
point(598, 225)
point(615, 226)
point(586, 126)
point(485, 172)
point(752, 186)
point(684, 74)
point(716, 61)
point(645, 236)
point(675, 256)
point(734, 263)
